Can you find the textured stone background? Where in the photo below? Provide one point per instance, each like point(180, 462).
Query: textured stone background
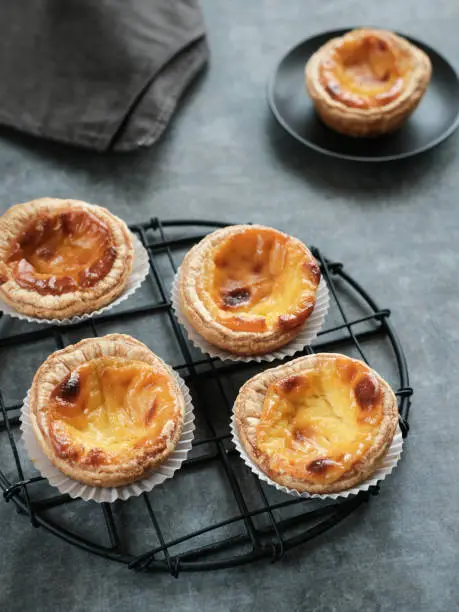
point(396, 226)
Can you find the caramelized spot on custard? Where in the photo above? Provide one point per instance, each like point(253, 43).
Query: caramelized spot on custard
point(312, 422)
point(320, 466)
point(367, 392)
point(293, 320)
point(289, 384)
point(348, 371)
point(364, 71)
point(44, 253)
point(63, 252)
point(69, 388)
point(111, 407)
point(259, 280)
point(236, 297)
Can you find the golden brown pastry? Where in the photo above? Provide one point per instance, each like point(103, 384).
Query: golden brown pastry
point(367, 82)
point(248, 288)
point(106, 411)
point(62, 258)
point(320, 423)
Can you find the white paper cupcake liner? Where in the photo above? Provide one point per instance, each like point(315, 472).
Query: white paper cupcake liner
point(305, 337)
point(138, 274)
point(110, 494)
point(388, 464)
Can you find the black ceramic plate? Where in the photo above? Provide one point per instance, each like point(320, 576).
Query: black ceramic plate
point(435, 119)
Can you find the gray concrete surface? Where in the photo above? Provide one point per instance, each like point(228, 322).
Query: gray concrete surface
point(396, 226)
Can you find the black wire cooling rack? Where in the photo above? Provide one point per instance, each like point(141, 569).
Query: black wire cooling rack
point(214, 513)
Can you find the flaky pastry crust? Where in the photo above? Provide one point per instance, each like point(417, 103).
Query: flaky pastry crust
point(415, 73)
point(218, 323)
point(362, 381)
point(38, 294)
point(76, 454)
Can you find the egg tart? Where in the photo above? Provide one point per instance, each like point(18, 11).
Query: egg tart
point(106, 411)
point(62, 258)
point(248, 289)
point(367, 82)
point(320, 424)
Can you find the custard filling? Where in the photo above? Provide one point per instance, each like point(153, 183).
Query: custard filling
point(364, 71)
point(317, 425)
point(110, 407)
point(60, 253)
point(260, 280)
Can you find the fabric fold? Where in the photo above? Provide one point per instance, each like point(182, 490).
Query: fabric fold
point(99, 74)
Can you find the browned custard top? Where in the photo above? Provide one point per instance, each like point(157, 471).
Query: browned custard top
point(364, 70)
point(259, 280)
point(62, 253)
point(111, 408)
point(319, 424)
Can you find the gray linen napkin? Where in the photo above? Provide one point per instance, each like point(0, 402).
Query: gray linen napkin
point(97, 73)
